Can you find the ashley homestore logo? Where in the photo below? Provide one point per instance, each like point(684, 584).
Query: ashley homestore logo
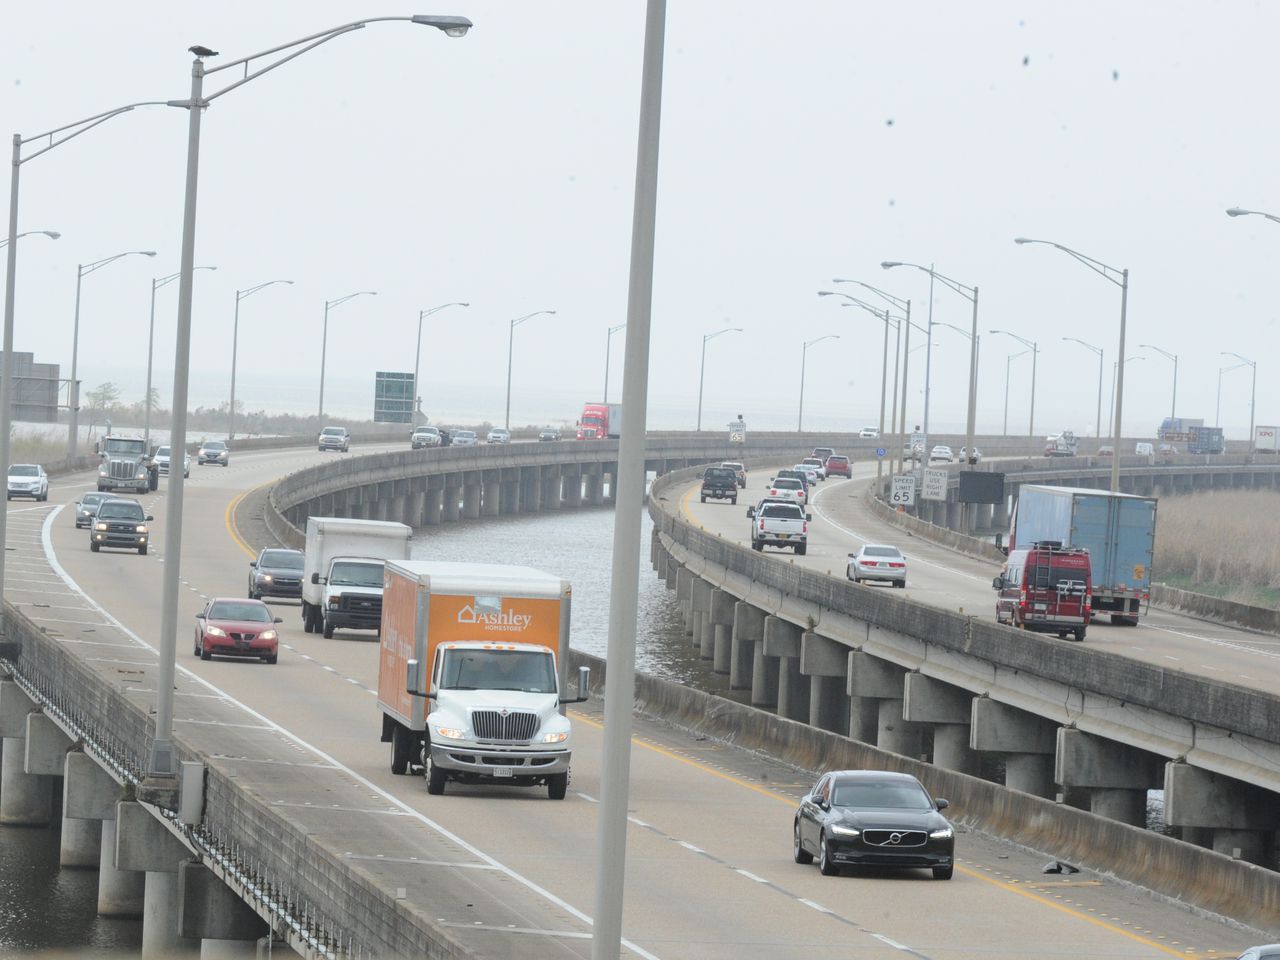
point(488, 612)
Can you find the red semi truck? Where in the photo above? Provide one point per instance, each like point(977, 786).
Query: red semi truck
point(600, 421)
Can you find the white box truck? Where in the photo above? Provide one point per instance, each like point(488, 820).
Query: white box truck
point(469, 681)
point(1264, 438)
point(342, 572)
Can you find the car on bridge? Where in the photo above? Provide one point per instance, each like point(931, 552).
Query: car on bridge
point(1266, 951)
point(873, 818)
point(424, 436)
point(87, 506)
point(231, 627)
point(213, 451)
point(970, 456)
point(28, 480)
point(719, 483)
point(120, 523)
point(1046, 587)
point(839, 466)
point(739, 471)
point(878, 561)
point(549, 435)
point(822, 453)
point(332, 438)
point(941, 453)
point(779, 523)
point(276, 573)
point(465, 438)
point(818, 464)
point(788, 488)
point(868, 433)
point(499, 435)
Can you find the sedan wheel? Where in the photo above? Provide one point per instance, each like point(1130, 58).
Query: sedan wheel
point(943, 873)
point(797, 849)
point(826, 866)
point(204, 652)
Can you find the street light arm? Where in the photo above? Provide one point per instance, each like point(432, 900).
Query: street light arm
point(88, 268)
point(328, 304)
point(51, 234)
point(1111, 273)
point(1164, 353)
point(613, 330)
point(423, 314)
point(829, 336)
point(969, 293)
point(1245, 360)
point(1097, 350)
point(529, 316)
point(157, 284)
point(79, 127)
point(951, 326)
point(712, 336)
point(1029, 344)
point(241, 294)
point(1238, 212)
point(898, 302)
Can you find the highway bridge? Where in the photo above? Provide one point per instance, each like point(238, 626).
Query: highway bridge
point(291, 824)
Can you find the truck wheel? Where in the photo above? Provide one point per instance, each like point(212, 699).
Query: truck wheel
point(734, 501)
point(756, 545)
point(306, 617)
point(704, 499)
point(327, 628)
point(1078, 633)
point(800, 549)
point(95, 546)
point(142, 550)
point(435, 778)
point(101, 488)
point(557, 785)
point(401, 747)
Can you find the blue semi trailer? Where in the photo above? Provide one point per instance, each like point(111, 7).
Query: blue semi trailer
point(1118, 530)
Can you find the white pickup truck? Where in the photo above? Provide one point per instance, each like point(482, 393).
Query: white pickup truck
point(779, 523)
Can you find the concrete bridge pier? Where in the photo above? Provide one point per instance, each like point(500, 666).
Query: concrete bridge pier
point(433, 507)
point(1116, 776)
point(26, 799)
point(211, 914)
point(700, 620)
point(954, 513)
point(594, 492)
point(573, 486)
point(1028, 742)
point(382, 501)
point(451, 511)
point(120, 892)
point(471, 495)
point(511, 500)
point(684, 597)
point(826, 663)
point(415, 508)
point(609, 478)
point(145, 845)
point(530, 489)
point(782, 642)
point(880, 686)
point(490, 501)
point(722, 614)
point(551, 488)
point(747, 636)
point(89, 797)
point(948, 710)
point(46, 759)
point(1000, 516)
point(1243, 818)
point(672, 572)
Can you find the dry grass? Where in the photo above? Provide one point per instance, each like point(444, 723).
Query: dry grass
point(36, 448)
point(1225, 541)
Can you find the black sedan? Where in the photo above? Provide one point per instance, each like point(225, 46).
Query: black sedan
point(276, 573)
point(873, 818)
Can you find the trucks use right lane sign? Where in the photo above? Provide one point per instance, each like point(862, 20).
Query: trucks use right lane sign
point(935, 484)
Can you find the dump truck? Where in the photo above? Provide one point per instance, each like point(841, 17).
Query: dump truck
point(1118, 530)
point(470, 674)
point(126, 465)
point(342, 571)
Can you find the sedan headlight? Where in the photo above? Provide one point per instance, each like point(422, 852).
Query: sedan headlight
point(555, 737)
point(215, 631)
point(267, 635)
point(842, 831)
point(264, 577)
point(448, 733)
point(99, 526)
point(945, 833)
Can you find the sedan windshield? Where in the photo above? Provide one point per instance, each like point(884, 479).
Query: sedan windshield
point(882, 552)
point(528, 671)
point(23, 470)
point(92, 499)
point(282, 559)
point(233, 610)
point(881, 796)
point(121, 511)
point(356, 575)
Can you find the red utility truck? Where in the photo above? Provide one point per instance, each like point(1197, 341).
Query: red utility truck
point(1046, 587)
point(600, 421)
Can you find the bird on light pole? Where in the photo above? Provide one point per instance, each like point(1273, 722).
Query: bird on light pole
point(702, 369)
point(1120, 277)
point(511, 341)
point(73, 388)
point(324, 344)
point(417, 350)
point(235, 341)
point(804, 353)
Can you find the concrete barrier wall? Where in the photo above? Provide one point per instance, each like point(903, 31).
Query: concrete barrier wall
point(1182, 871)
point(1216, 608)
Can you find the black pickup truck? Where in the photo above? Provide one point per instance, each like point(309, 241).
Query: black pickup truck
point(720, 483)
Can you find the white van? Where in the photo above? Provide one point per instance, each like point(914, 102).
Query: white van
point(1144, 449)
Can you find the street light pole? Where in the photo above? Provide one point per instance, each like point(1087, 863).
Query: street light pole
point(702, 369)
point(73, 389)
point(235, 340)
point(1007, 363)
point(1115, 372)
point(608, 344)
point(1253, 393)
point(1035, 352)
point(804, 354)
point(151, 339)
point(1121, 279)
point(324, 345)
point(161, 762)
point(1173, 408)
point(511, 342)
point(417, 350)
point(1097, 430)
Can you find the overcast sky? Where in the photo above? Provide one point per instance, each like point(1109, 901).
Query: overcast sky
point(800, 142)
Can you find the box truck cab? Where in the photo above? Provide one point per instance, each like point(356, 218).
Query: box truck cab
point(1045, 587)
point(470, 674)
point(342, 572)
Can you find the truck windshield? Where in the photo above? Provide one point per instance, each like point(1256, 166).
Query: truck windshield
point(116, 445)
point(346, 574)
point(529, 671)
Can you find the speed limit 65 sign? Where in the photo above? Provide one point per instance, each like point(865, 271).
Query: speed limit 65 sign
point(903, 492)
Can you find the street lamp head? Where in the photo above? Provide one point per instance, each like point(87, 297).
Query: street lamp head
point(1237, 212)
point(451, 26)
point(1022, 240)
point(826, 293)
point(51, 234)
point(146, 253)
point(886, 264)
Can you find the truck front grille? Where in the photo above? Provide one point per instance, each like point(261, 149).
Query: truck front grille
point(122, 469)
point(492, 725)
point(361, 604)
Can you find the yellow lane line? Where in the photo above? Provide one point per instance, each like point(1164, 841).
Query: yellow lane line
point(975, 874)
point(684, 507)
point(230, 519)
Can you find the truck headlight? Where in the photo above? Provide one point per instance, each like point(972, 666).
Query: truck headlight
point(140, 528)
point(142, 474)
point(102, 470)
point(448, 733)
point(99, 526)
point(554, 737)
point(334, 601)
point(842, 831)
point(946, 833)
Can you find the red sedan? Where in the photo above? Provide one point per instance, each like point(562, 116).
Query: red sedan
point(237, 628)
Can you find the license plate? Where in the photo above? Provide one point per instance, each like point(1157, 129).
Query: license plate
point(1040, 606)
point(783, 536)
point(502, 771)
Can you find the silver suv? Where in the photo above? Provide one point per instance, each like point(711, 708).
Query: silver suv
point(424, 436)
point(334, 438)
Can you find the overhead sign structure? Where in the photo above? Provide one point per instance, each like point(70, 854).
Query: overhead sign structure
point(935, 485)
point(393, 395)
point(903, 493)
point(738, 432)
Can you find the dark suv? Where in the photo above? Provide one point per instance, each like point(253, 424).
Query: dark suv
point(720, 483)
point(120, 523)
point(276, 573)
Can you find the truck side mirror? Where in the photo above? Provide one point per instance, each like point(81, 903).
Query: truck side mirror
point(997, 583)
point(413, 678)
point(584, 683)
point(150, 517)
point(808, 516)
point(315, 578)
point(253, 563)
point(751, 512)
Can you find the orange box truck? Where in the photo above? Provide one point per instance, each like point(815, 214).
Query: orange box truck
point(468, 680)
